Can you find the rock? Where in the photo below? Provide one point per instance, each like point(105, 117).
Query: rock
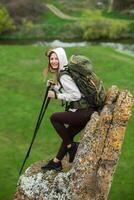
point(90, 176)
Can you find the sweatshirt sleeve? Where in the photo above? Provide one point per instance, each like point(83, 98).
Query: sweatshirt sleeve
point(70, 91)
point(56, 88)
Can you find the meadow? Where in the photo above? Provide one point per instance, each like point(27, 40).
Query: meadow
point(22, 88)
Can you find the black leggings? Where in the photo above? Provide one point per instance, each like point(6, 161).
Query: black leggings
point(69, 124)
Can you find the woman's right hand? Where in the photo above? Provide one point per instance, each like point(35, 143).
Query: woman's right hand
point(50, 82)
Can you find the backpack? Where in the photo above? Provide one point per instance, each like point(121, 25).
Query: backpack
point(90, 86)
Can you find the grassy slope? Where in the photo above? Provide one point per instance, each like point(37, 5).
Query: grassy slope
point(21, 95)
point(54, 26)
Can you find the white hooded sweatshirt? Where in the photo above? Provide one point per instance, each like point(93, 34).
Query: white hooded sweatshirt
point(69, 90)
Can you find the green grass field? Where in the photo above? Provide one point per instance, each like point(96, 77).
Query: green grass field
point(21, 94)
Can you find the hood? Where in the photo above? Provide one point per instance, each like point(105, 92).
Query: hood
point(60, 52)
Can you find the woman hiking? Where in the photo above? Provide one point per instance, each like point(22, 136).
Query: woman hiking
point(70, 122)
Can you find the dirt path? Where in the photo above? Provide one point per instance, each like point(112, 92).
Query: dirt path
point(59, 13)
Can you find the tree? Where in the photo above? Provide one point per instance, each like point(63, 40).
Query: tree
point(110, 7)
point(120, 5)
point(6, 22)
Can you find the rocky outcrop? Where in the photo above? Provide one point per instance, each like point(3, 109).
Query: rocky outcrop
point(90, 176)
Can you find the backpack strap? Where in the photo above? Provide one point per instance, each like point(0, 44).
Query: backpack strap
point(64, 71)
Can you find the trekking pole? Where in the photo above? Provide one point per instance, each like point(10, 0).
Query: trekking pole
point(41, 115)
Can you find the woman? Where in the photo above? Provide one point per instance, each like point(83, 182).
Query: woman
point(69, 123)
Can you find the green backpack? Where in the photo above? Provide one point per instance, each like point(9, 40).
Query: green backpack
point(90, 86)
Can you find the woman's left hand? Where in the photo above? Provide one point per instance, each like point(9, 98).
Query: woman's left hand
point(51, 94)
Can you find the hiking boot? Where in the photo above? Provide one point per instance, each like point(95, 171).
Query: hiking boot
point(72, 151)
point(51, 165)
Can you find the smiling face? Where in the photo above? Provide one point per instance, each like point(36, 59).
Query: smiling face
point(53, 61)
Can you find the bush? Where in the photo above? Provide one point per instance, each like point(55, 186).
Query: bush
point(6, 22)
point(29, 9)
point(117, 30)
point(29, 29)
point(131, 27)
point(103, 29)
point(95, 13)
